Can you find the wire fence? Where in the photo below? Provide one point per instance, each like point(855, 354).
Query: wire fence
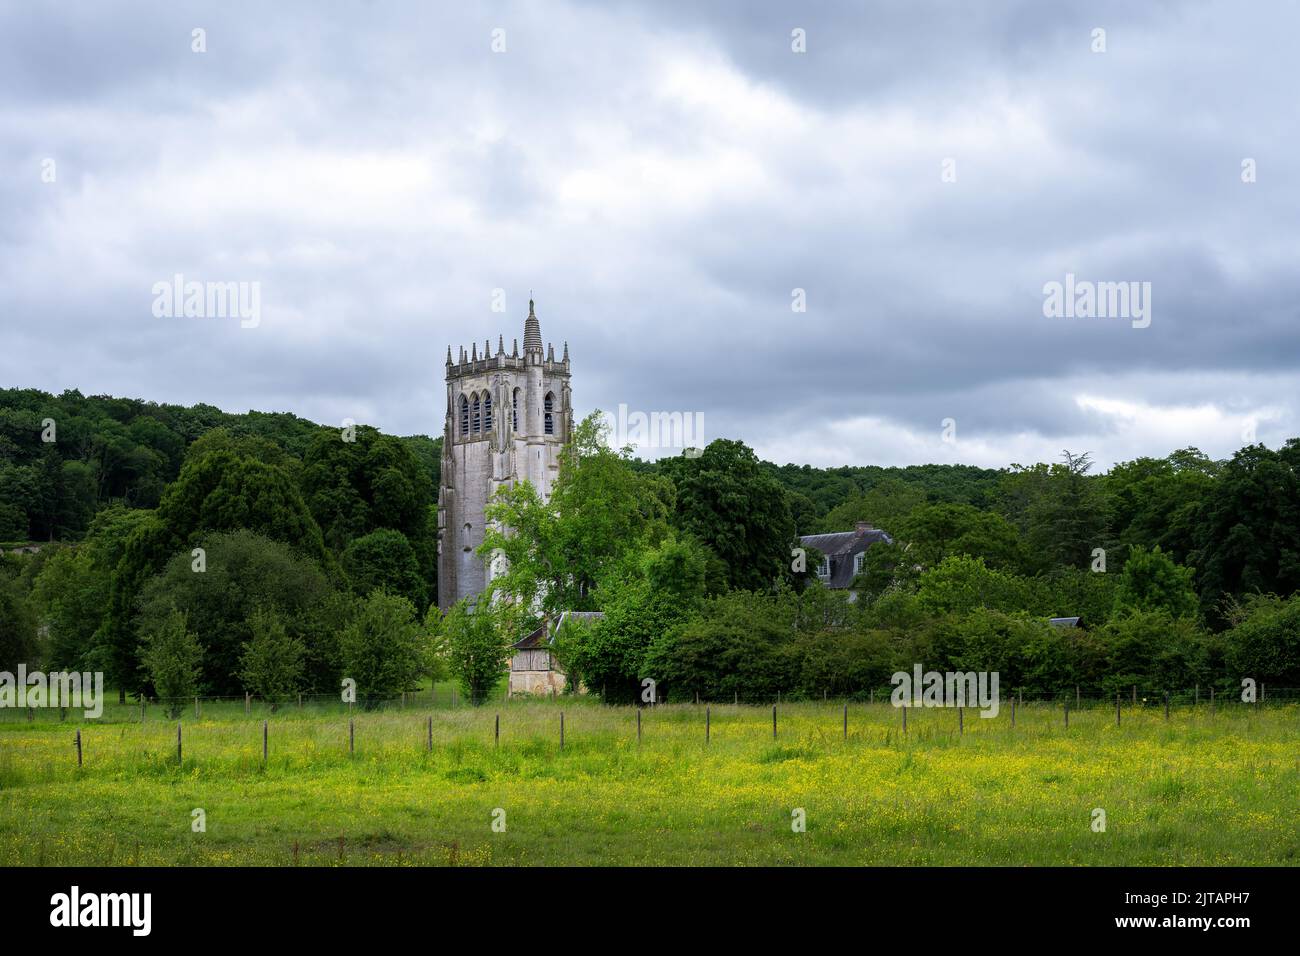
point(449, 697)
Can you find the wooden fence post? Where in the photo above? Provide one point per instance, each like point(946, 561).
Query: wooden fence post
point(1013, 711)
point(1116, 708)
point(638, 725)
point(961, 721)
point(265, 735)
point(846, 721)
point(1067, 715)
point(428, 736)
point(497, 738)
point(1076, 697)
point(1211, 698)
point(1135, 695)
point(1197, 699)
point(905, 716)
point(196, 708)
point(774, 721)
point(78, 746)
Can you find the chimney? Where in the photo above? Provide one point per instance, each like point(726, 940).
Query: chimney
point(864, 526)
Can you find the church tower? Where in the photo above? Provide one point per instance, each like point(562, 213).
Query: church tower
point(508, 417)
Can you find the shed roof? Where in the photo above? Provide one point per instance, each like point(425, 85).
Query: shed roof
point(544, 634)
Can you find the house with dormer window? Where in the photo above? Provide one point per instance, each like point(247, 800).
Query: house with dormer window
point(843, 552)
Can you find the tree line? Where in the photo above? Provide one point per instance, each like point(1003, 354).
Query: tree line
point(1182, 569)
point(197, 551)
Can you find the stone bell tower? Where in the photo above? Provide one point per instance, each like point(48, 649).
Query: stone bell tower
point(508, 417)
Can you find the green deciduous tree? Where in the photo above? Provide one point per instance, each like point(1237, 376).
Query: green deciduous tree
point(646, 596)
point(273, 662)
point(384, 648)
point(600, 509)
point(728, 501)
point(244, 572)
point(477, 639)
point(17, 625)
point(1248, 532)
point(385, 559)
point(1264, 641)
point(219, 491)
point(171, 655)
point(1150, 580)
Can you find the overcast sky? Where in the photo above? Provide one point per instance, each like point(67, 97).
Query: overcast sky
point(662, 177)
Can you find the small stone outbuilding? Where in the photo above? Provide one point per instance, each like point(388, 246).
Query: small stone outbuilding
point(533, 668)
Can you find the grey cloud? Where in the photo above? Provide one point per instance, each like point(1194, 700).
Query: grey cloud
point(380, 172)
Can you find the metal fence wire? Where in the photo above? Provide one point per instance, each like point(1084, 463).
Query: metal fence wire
point(250, 707)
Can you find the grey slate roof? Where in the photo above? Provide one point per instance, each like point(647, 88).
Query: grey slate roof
point(841, 546)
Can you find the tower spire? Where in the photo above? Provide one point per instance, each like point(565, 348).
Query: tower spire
point(532, 331)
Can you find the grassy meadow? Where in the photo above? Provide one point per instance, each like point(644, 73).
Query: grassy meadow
point(1201, 788)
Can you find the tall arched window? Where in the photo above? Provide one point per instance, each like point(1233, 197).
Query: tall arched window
point(477, 418)
point(514, 405)
point(548, 409)
point(464, 416)
point(487, 412)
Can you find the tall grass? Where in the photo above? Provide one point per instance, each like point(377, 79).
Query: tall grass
point(1200, 788)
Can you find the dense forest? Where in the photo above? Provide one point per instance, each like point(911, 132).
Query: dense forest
point(293, 524)
point(187, 549)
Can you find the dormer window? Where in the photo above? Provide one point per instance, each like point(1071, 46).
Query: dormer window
point(858, 560)
point(824, 569)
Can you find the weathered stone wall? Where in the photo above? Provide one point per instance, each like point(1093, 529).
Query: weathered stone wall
point(474, 466)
